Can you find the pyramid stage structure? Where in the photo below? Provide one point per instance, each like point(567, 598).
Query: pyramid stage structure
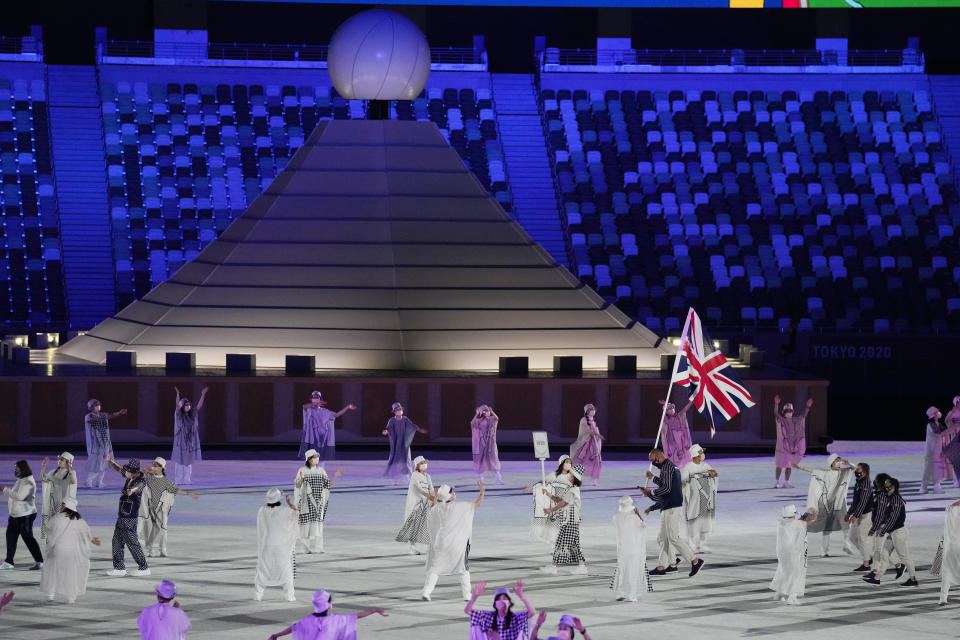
point(375, 249)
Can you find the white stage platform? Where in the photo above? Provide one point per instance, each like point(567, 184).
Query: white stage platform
point(213, 554)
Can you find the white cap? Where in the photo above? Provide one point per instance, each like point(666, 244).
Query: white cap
point(695, 450)
point(274, 495)
point(310, 453)
point(789, 511)
point(788, 406)
point(315, 394)
point(562, 458)
point(160, 461)
point(321, 601)
point(395, 405)
point(418, 461)
point(587, 407)
point(70, 503)
point(443, 493)
point(625, 503)
point(92, 402)
point(66, 455)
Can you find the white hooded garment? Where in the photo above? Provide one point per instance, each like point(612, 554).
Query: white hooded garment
point(450, 525)
point(699, 493)
point(67, 563)
point(950, 563)
point(827, 495)
point(57, 485)
point(276, 538)
point(791, 575)
point(631, 579)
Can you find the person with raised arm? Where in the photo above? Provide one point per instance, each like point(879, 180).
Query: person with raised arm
point(312, 490)
point(318, 427)
point(501, 623)
point(450, 524)
point(791, 439)
point(324, 625)
point(827, 495)
point(565, 629)
point(186, 437)
point(99, 447)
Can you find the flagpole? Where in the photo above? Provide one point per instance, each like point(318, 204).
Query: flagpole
point(673, 375)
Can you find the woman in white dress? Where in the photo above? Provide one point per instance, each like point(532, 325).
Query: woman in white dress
point(276, 540)
point(949, 552)
point(414, 530)
point(312, 489)
point(67, 565)
point(58, 484)
point(630, 580)
point(791, 577)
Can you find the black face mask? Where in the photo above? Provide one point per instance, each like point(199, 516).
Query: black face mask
point(657, 464)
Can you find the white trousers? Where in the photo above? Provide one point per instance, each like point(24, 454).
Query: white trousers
point(857, 536)
point(670, 541)
point(697, 531)
point(288, 591)
point(182, 473)
point(432, 579)
point(310, 539)
point(151, 535)
point(898, 539)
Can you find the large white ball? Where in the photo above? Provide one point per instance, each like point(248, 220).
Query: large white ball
point(378, 55)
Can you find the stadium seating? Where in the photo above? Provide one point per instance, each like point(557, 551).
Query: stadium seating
point(31, 276)
point(807, 209)
point(184, 159)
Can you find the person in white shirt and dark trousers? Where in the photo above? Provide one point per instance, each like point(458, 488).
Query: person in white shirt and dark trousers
point(21, 504)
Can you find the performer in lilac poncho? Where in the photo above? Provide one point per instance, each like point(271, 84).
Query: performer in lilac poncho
point(791, 438)
point(318, 426)
point(586, 449)
point(186, 437)
point(400, 429)
point(676, 435)
point(485, 454)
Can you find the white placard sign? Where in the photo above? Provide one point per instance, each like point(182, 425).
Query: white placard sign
point(541, 447)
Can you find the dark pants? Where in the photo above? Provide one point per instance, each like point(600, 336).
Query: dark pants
point(125, 535)
point(22, 527)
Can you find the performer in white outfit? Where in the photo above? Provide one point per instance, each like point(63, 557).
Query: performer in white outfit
point(155, 506)
point(699, 498)
point(67, 566)
point(450, 524)
point(827, 496)
point(567, 507)
point(323, 625)
point(791, 577)
point(949, 552)
point(932, 453)
point(631, 581)
point(276, 541)
point(164, 620)
point(414, 530)
point(312, 490)
point(546, 523)
point(58, 484)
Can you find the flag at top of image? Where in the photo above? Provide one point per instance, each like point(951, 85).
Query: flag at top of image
point(715, 390)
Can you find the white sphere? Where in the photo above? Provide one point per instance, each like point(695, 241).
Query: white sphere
point(378, 55)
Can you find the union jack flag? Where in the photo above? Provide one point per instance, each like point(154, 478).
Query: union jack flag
point(715, 390)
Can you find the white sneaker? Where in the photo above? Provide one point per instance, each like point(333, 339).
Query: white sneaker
point(6, 566)
point(140, 572)
point(258, 597)
point(117, 573)
point(937, 489)
point(291, 598)
point(788, 484)
point(777, 486)
point(579, 570)
point(793, 600)
point(549, 569)
point(424, 596)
